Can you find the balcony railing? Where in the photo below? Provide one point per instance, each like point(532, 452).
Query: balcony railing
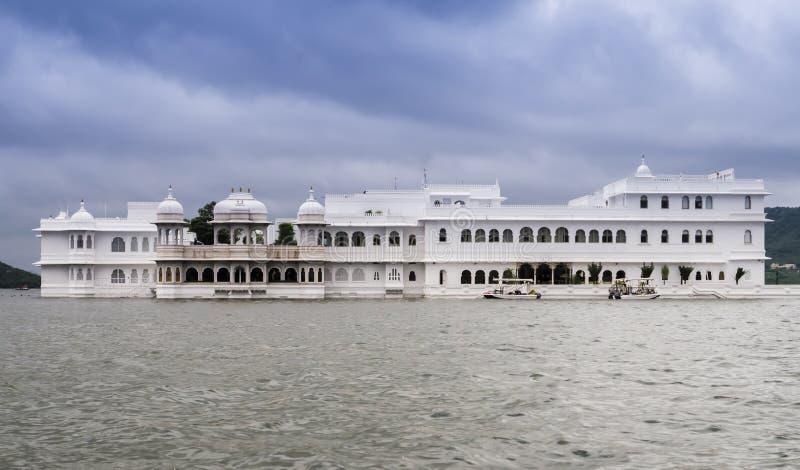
point(259, 252)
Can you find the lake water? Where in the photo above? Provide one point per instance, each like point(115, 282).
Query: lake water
point(427, 383)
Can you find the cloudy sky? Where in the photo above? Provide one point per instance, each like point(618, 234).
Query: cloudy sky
point(114, 100)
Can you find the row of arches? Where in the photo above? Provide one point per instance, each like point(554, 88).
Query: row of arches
point(78, 274)
point(118, 244)
point(76, 242)
point(358, 275)
point(686, 202)
point(543, 235)
point(358, 239)
point(240, 274)
point(118, 276)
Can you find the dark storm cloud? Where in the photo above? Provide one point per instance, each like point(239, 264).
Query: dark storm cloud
point(112, 101)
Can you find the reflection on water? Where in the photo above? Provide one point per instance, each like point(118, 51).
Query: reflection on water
point(430, 383)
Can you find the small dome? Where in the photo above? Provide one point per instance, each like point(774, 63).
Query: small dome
point(311, 207)
point(170, 205)
point(240, 206)
point(643, 171)
point(82, 215)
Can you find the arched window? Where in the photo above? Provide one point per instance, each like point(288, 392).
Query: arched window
point(709, 236)
point(526, 235)
point(748, 202)
point(708, 273)
point(412, 240)
point(118, 277)
point(442, 235)
point(311, 275)
point(223, 275)
point(466, 235)
point(685, 236)
point(459, 203)
point(698, 276)
point(239, 274)
point(562, 235)
point(412, 276)
point(88, 242)
point(358, 275)
point(748, 237)
point(643, 237)
point(274, 275)
point(543, 236)
point(359, 239)
point(608, 237)
point(290, 275)
point(208, 275)
point(621, 236)
point(327, 240)
point(134, 244)
point(607, 277)
point(480, 277)
point(134, 276)
point(79, 276)
point(508, 236)
point(709, 202)
point(238, 236)
point(80, 242)
point(145, 244)
point(319, 274)
point(437, 203)
point(698, 202)
point(698, 236)
point(685, 202)
point(72, 242)
point(376, 276)
point(643, 202)
point(302, 274)
point(341, 239)
point(118, 245)
point(493, 276)
point(494, 235)
point(394, 238)
point(160, 275)
point(376, 240)
point(442, 277)
point(665, 202)
point(256, 275)
point(394, 275)
point(341, 275)
point(620, 275)
point(89, 275)
point(466, 277)
point(594, 236)
point(664, 236)
point(168, 277)
point(580, 236)
point(722, 275)
point(480, 235)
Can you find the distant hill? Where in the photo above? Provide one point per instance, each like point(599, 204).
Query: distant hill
point(782, 237)
point(12, 277)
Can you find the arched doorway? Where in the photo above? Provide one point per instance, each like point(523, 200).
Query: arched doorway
point(256, 275)
point(239, 274)
point(208, 275)
point(291, 275)
point(525, 271)
point(562, 274)
point(223, 275)
point(191, 275)
point(543, 274)
point(274, 275)
point(607, 277)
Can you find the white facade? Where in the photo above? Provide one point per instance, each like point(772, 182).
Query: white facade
point(440, 240)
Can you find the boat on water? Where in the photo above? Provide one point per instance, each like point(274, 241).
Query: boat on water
point(632, 289)
point(513, 289)
point(24, 287)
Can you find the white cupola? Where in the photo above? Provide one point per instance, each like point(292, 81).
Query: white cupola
point(169, 210)
point(240, 206)
point(82, 216)
point(643, 171)
point(311, 211)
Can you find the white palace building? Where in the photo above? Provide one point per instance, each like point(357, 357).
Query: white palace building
point(440, 240)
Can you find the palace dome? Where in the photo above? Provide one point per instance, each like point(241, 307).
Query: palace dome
point(240, 206)
point(643, 171)
point(82, 215)
point(311, 210)
point(170, 205)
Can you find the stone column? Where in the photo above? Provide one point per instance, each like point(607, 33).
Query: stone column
point(552, 275)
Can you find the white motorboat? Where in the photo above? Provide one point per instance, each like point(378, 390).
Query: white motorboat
point(632, 289)
point(513, 289)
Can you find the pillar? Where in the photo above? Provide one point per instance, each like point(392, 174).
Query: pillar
point(552, 275)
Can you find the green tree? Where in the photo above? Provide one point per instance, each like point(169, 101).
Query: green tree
point(285, 234)
point(594, 272)
point(201, 225)
point(647, 270)
point(740, 273)
point(508, 273)
point(685, 271)
point(665, 274)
